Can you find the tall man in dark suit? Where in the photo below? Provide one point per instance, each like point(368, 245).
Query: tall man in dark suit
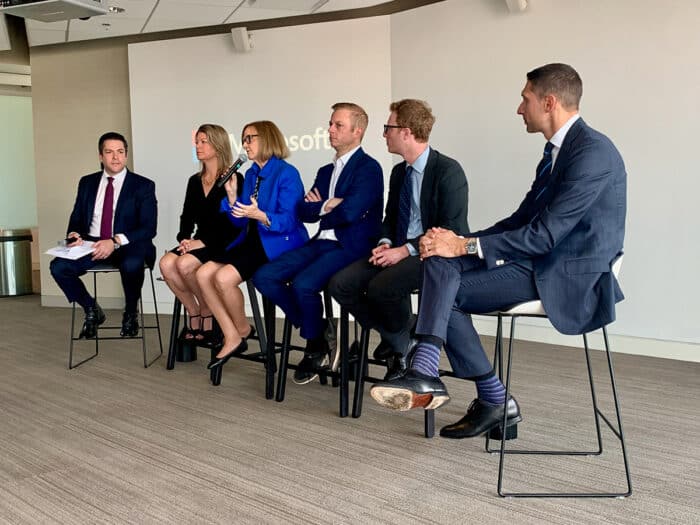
point(427, 189)
point(558, 246)
point(346, 200)
point(117, 210)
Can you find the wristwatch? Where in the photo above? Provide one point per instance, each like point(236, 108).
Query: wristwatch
point(116, 244)
point(471, 246)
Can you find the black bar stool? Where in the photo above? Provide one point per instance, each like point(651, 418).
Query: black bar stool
point(175, 347)
point(108, 268)
point(286, 347)
point(536, 309)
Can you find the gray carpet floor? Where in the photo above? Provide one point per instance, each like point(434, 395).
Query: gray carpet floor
point(112, 442)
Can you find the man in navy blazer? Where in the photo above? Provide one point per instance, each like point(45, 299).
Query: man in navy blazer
point(124, 239)
point(346, 199)
point(558, 246)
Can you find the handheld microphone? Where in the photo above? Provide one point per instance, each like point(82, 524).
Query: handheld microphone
point(242, 159)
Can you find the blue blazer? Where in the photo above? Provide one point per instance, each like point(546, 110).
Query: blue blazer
point(570, 228)
point(280, 191)
point(357, 220)
point(135, 215)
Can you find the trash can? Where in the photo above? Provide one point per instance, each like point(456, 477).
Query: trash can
point(15, 262)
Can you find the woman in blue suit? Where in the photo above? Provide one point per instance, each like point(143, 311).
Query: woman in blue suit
point(266, 213)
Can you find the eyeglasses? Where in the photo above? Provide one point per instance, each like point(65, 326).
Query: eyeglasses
point(249, 138)
point(387, 127)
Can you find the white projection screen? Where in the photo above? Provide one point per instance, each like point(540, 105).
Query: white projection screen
point(292, 76)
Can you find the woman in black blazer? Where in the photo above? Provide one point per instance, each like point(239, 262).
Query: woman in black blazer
point(204, 230)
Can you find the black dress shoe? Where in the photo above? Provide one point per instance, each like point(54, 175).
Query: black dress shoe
point(411, 390)
point(220, 361)
point(308, 368)
point(396, 367)
point(94, 317)
point(481, 418)
point(130, 324)
point(397, 364)
point(383, 351)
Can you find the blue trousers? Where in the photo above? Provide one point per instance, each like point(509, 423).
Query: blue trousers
point(455, 288)
point(295, 279)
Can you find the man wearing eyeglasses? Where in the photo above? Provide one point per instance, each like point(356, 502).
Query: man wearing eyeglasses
point(346, 201)
point(427, 189)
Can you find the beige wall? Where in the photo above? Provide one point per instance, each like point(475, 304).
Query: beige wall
point(78, 93)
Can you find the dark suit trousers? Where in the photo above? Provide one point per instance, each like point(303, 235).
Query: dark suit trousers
point(130, 261)
point(378, 297)
point(295, 279)
point(454, 288)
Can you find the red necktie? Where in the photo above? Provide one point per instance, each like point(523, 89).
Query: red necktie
point(107, 211)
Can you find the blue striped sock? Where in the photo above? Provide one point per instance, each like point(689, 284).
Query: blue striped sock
point(491, 390)
point(427, 359)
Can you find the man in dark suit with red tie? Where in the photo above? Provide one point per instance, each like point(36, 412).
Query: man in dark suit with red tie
point(117, 210)
point(558, 246)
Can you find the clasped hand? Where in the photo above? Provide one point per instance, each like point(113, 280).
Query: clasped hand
point(187, 245)
point(441, 242)
point(385, 256)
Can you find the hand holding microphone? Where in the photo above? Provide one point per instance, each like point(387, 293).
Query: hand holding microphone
point(242, 159)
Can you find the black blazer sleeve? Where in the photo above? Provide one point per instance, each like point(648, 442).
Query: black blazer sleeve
point(189, 210)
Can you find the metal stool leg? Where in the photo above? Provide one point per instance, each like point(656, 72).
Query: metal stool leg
point(284, 360)
point(429, 423)
point(344, 329)
point(145, 327)
point(174, 328)
point(361, 373)
point(71, 365)
point(616, 429)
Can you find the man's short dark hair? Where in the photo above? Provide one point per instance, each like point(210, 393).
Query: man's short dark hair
point(560, 80)
point(112, 135)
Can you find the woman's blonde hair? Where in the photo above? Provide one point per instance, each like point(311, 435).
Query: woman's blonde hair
point(218, 138)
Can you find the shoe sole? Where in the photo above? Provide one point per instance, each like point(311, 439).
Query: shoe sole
point(304, 381)
point(331, 337)
point(311, 378)
point(403, 399)
point(335, 359)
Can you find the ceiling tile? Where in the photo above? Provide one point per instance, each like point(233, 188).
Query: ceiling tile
point(179, 15)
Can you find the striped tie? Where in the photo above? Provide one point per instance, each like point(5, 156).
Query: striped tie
point(544, 168)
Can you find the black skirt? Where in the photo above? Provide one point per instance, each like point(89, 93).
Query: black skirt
point(247, 256)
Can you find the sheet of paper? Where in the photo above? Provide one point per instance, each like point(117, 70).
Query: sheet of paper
point(74, 252)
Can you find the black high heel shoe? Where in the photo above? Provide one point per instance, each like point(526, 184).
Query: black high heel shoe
point(251, 334)
point(220, 361)
point(207, 337)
